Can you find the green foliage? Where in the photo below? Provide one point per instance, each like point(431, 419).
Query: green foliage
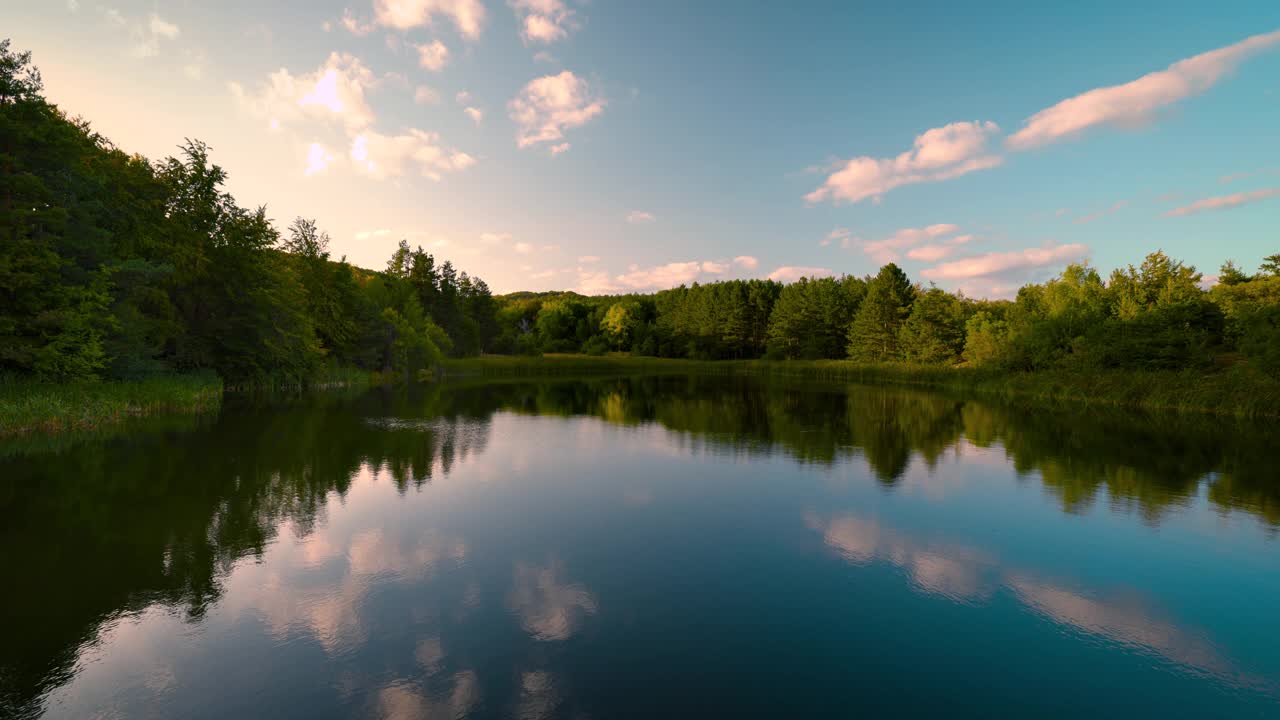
point(113, 267)
point(811, 317)
point(934, 332)
point(873, 335)
point(986, 339)
point(1260, 338)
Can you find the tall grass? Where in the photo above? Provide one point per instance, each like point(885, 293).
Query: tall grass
point(27, 406)
point(1237, 391)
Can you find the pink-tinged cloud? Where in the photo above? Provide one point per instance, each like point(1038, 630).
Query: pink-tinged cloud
point(938, 251)
point(839, 234)
point(1134, 103)
point(746, 262)
point(1224, 202)
point(544, 21)
point(937, 154)
point(889, 249)
point(662, 276)
point(433, 56)
point(995, 263)
point(385, 156)
point(551, 104)
point(467, 15)
point(640, 217)
point(335, 91)
point(1115, 208)
point(792, 273)
point(714, 268)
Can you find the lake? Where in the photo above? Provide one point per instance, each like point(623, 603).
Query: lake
point(642, 547)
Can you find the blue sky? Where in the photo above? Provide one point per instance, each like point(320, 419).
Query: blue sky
point(607, 146)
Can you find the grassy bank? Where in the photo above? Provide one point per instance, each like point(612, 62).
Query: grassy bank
point(1236, 391)
point(27, 407)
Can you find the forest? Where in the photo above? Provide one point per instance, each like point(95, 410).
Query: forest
point(117, 267)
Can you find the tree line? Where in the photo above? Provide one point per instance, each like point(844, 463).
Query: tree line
point(1155, 317)
point(116, 267)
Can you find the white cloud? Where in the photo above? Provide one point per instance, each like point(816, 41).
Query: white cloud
point(463, 97)
point(595, 282)
point(995, 263)
point(433, 56)
point(494, 238)
point(476, 114)
point(557, 149)
point(1136, 102)
point(147, 35)
point(662, 276)
point(638, 217)
point(747, 262)
point(424, 95)
point(367, 234)
point(549, 105)
point(160, 28)
point(889, 249)
point(318, 159)
point(544, 21)
point(467, 15)
point(938, 251)
point(544, 56)
point(383, 156)
point(1224, 202)
point(355, 25)
point(841, 234)
point(334, 91)
point(714, 268)
point(792, 273)
point(523, 248)
point(585, 259)
point(938, 154)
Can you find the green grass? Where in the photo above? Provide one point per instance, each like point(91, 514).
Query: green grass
point(30, 407)
point(1236, 391)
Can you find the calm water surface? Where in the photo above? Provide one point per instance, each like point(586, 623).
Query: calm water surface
point(651, 547)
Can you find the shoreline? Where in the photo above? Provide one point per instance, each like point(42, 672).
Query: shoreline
point(1236, 392)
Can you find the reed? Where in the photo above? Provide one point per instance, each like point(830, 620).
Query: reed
point(27, 406)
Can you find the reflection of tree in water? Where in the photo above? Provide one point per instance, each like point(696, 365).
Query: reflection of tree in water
point(1146, 465)
point(116, 524)
point(160, 515)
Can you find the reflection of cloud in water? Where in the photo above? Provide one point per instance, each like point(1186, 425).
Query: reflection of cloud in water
point(372, 552)
point(403, 700)
point(333, 614)
point(538, 696)
point(548, 608)
point(966, 575)
point(1131, 623)
point(953, 571)
point(430, 654)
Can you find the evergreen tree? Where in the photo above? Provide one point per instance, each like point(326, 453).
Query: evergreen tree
point(934, 332)
point(873, 334)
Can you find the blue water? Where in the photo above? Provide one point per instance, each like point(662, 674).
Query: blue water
point(676, 547)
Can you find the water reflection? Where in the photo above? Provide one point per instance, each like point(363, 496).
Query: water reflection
point(967, 575)
point(549, 608)
point(951, 571)
point(329, 526)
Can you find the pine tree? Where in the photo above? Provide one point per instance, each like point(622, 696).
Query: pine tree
point(873, 334)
